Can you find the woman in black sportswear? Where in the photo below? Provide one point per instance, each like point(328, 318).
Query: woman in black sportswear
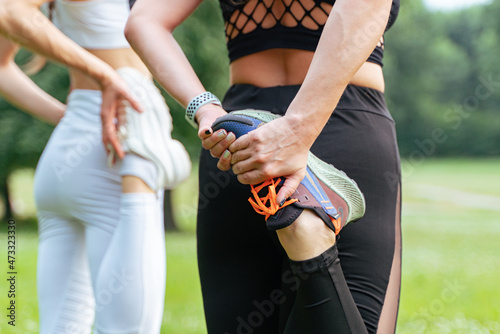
point(318, 63)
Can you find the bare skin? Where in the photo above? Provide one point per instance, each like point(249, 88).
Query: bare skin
point(22, 22)
point(308, 236)
point(19, 90)
point(116, 59)
point(279, 148)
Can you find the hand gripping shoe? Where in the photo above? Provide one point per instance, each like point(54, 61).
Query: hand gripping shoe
point(149, 134)
point(329, 192)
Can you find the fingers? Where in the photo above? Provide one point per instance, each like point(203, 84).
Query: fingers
point(134, 103)
point(205, 117)
point(109, 137)
point(205, 129)
point(223, 145)
point(122, 120)
point(252, 177)
point(204, 133)
point(239, 158)
point(291, 183)
point(242, 143)
point(213, 139)
point(224, 163)
point(110, 140)
point(218, 142)
point(111, 154)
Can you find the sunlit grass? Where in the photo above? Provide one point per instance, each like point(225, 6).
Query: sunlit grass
point(451, 262)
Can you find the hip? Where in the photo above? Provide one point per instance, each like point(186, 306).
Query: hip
point(360, 134)
point(73, 163)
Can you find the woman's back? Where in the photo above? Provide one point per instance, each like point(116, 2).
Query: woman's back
point(98, 27)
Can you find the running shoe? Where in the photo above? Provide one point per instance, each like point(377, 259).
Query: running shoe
point(329, 192)
point(149, 134)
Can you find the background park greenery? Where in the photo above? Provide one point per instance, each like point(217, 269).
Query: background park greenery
point(443, 89)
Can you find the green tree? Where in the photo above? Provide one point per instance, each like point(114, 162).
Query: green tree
point(437, 64)
point(202, 39)
point(22, 137)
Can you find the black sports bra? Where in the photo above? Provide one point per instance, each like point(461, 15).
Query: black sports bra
point(258, 25)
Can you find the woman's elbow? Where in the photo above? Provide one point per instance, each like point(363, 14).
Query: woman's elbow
point(4, 14)
point(131, 28)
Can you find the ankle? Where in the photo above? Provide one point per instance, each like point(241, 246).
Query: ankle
point(133, 184)
point(307, 237)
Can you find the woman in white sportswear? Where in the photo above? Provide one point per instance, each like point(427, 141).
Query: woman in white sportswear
point(101, 257)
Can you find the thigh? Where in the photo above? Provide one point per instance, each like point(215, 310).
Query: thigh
point(73, 180)
point(66, 302)
point(239, 261)
point(363, 145)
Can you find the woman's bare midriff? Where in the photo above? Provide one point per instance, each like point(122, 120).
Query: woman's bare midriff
point(279, 67)
point(116, 58)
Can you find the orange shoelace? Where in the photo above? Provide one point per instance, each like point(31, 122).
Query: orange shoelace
point(267, 205)
point(337, 223)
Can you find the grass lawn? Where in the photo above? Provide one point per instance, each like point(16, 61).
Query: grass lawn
point(451, 256)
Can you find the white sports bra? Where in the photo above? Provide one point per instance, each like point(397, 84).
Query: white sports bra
point(93, 24)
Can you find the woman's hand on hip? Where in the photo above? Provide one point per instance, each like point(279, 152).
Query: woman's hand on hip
point(114, 93)
point(272, 150)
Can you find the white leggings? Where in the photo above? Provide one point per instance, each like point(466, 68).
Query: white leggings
point(101, 257)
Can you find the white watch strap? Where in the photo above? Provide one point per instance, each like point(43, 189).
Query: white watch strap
point(196, 103)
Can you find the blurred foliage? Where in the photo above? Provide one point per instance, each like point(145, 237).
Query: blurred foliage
point(442, 75)
point(443, 84)
point(202, 39)
point(22, 137)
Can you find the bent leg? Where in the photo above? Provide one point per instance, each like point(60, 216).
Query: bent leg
point(130, 286)
point(323, 303)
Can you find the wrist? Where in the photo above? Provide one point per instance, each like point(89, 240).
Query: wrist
point(206, 111)
point(303, 128)
point(196, 105)
point(105, 75)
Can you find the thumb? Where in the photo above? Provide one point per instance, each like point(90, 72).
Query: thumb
point(205, 128)
point(291, 183)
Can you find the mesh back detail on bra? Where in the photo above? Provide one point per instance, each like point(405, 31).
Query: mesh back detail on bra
point(258, 25)
point(267, 14)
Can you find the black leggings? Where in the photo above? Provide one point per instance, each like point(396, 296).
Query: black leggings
point(248, 283)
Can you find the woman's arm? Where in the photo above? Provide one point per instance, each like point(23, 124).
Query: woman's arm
point(280, 148)
point(22, 22)
point(19, 90)
point(150, 32)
